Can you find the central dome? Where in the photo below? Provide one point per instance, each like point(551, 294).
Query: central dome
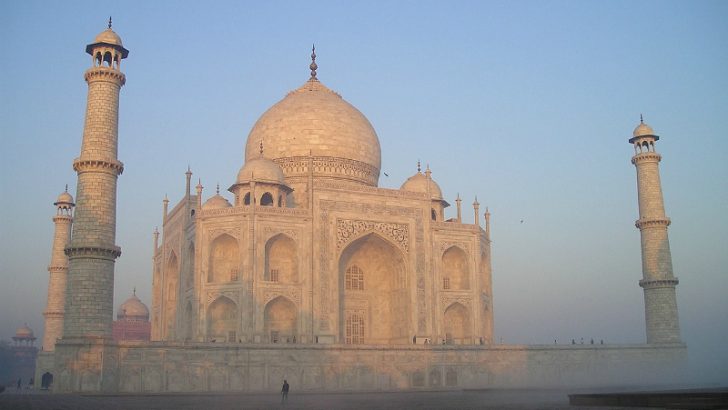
point(313, 120)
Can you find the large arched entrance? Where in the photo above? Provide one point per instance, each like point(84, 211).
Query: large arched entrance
point(374, 305)
point(171, 276)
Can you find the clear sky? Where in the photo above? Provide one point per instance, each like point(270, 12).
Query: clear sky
point(528, 105)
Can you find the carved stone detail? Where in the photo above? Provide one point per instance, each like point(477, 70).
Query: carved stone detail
point(347, 229)
point(271, 231)
point(447, 300)
point(292, 294)
point(215, 232)
point(212, 295)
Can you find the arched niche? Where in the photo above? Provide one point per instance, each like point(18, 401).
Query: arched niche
point(222, 320)
point(455, 271)
point(189, 322)
point(380, 297)
point(280, 320)
point(281, 260)
point(224, 260)
point(171, 286)
point(457, 324)
point(190, 270)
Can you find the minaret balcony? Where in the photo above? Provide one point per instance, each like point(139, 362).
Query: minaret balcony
point(652, 222)
point(658, 283)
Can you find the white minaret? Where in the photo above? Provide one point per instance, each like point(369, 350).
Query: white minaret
point(57, 270)
point(93, 251)
point(658, 282)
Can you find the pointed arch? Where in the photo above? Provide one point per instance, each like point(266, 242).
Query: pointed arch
point(455, 269)
point(171, 289)
point(224, 262)
point(280, 320)
point(189, 322)
point(456, 322)
point(222, 320)
point(281, 259)
point(267, 199)
point(380, 307)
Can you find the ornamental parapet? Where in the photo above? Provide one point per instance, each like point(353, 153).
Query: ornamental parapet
point(105, 74)
point(344, 186)
point(259, 209)
point(455, 226)
point(647, 157)
point(93, 252)
point(63, 218)
point(652, 222)
point(57, 268)
point(658, 283)
point(109, 165)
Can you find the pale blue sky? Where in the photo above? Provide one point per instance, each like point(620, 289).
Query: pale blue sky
point(527, 105)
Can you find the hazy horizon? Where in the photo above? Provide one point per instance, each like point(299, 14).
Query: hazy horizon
point(526, 105)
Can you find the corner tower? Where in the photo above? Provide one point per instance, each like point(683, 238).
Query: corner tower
point(92, 252)
point(658, 282)
point(58, 270)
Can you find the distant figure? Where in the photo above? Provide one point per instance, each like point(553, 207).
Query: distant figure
point(582, 340)
point(592, 341)
point(554, 341)
point(30, 383)
point(601, 342)
point(20, 381)
point(573, 342)
point(284, 391)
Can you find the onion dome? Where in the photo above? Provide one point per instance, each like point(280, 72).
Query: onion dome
point(314, 120)
point(216, 202)
point(424, 183)
point(64, 198)
point(643, 130)
point(133, 309)
point(260, 169)
point(109, 38)
point(24, 332)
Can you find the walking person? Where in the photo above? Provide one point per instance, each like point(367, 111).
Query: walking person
point(284, 391)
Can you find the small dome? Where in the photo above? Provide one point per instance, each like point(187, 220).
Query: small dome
point(64, 198)
point(262, 170)
point(108, 36)
point(133, 308)
point(643, 130)
point(24, 332)
point(216, 202)
point(420, 182)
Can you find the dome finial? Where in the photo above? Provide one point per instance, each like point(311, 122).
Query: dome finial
point(66, 188)
point(313, 65)
point(134, 291)
point(419, 167)
point(218, 188)
point(642, 121)
point(109, 22)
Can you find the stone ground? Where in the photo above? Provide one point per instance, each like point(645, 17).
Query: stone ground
point(469, 399)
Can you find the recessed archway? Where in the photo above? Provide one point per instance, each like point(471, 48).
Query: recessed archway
point(222, 320)
point(457, 324)
point(280, 320)
point(281, 260)
point(379, 301)
point(455, 272)
point(224, 260)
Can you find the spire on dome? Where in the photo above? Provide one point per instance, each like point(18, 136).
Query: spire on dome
point(66, 188)
point(134, 291)
point(109, 22)
point(419, 167)
point(217, 190)
point(313, 65)
point(642, 121)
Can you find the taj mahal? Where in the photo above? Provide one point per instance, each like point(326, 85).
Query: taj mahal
point(304, 269)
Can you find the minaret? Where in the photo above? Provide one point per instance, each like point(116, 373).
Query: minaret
point(58, 270)
point(658, 282)
point(93, 251)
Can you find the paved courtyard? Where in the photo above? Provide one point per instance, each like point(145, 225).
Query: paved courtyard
point(474, 399)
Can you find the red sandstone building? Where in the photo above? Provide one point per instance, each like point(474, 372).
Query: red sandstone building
point(132, 321)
